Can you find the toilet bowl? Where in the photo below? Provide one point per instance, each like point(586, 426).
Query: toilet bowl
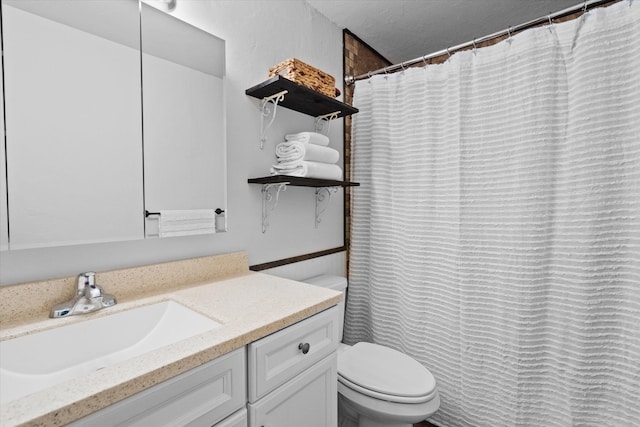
point(379, 386)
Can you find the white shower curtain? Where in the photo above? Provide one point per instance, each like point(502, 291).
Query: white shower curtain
point(496, 233)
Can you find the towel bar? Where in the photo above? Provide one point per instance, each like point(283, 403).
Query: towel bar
point(147, 214)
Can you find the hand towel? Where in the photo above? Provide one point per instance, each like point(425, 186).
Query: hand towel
point(308, 170)
point(310, 137)
point(186, 222)
point(296, 150)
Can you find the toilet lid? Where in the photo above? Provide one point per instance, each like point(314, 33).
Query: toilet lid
point(385, 371)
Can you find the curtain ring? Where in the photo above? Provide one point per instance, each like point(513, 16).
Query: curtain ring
point(550, 22)
point(474, 46)
point(449, 52)
point(424, 60)
point(584, 11)
point(509, 35)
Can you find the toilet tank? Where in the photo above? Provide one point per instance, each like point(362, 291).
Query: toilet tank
point(337, 283)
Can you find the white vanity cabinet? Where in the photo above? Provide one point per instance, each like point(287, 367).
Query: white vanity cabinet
point(201, 397)
point(292, 375)
point(286, 379)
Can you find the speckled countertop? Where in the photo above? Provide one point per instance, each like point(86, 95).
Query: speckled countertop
point(249, 306)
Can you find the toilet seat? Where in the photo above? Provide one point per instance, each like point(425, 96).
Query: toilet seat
point(386, 374)
point(383, 396)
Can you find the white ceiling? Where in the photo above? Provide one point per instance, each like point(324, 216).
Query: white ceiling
point(401, 30)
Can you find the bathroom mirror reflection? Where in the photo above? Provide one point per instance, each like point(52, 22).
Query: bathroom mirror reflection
point(74, 125)
point(184, 123)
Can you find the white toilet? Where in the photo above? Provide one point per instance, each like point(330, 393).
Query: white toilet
point(379, 386)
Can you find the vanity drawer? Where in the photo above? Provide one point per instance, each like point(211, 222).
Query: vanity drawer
point(277, 358)
point(197, 398)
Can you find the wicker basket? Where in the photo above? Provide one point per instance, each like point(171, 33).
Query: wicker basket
point(304, 74)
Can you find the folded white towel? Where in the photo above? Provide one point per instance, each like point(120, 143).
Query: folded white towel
point(296, 150)
point(308, 170)
point(310, 137)
point(186, 222)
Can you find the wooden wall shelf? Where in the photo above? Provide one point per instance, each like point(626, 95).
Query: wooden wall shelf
point(297, 181)
point(300, 98)
point(288, 94)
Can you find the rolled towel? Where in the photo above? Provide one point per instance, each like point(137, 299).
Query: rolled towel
point(308, 170)
point(310, 137)
point(296, 150)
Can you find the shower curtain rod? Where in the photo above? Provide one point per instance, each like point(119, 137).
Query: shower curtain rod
point(584, 6)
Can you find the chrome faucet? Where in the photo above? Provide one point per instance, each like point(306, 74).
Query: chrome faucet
point(89, 297)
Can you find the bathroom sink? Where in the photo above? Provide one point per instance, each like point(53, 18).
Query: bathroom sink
point(35, 362)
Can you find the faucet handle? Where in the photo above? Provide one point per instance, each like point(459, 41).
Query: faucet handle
point(85, 279)
point(91, 292)
point(90, 278)
point(87, 286)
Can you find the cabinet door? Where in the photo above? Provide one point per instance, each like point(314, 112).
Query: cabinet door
point(309, 400)
point(73, 122)
point(279, 357)
point(197, 398)
point(239, 419)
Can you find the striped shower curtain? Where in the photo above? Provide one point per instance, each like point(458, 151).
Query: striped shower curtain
point(496, 234)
